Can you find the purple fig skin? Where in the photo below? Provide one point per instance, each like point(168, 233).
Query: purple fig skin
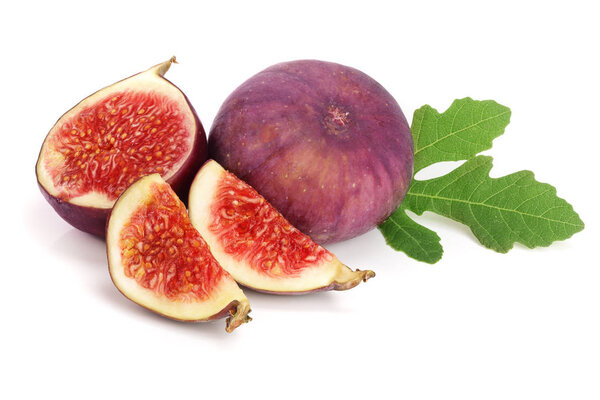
point(88, 219)
point(365, 276)
point(182, 179)
point(326, 144)
point(93, 220)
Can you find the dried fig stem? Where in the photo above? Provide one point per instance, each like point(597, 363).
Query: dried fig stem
point(347, 279)
point(162, 68)
point(239, 316)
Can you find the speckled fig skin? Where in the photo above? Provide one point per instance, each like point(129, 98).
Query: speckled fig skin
point(326, 144)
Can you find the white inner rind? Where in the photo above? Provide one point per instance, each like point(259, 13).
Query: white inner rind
point(202, 196)
point(224, 292)
point(144, 82)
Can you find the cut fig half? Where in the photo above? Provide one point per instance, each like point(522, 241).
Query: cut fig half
point(138, 126)
point(256, 244)
point(158, 260)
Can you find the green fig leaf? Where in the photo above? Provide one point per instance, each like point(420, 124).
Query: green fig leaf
point(467, 128)
point(404, 234)
point(499, 211)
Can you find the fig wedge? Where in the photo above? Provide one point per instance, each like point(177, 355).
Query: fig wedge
point(256, 244)
point(158, 260)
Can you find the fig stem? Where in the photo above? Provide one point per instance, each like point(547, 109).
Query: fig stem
point(162, 68)
point(347, 279)
point(240, 316)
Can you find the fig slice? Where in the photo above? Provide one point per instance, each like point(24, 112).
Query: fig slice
point(256, 244)
point(158, 260)
point(138, 126)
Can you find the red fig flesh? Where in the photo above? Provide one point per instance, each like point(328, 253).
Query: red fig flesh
point(138, 126)
point(256, 244)
point(158, 260)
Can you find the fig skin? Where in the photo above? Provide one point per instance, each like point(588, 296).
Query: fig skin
point(88, 219)
point(326, 144)
point(93, 220)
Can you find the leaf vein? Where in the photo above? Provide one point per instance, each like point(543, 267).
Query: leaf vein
point(409, 235)
point(460, 130)
point(441, 198)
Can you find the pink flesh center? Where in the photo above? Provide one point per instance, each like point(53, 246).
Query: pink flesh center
point(252, 231)
point(109, 145)
point(163, 252)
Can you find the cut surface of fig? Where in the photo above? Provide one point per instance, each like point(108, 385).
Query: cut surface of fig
point(136, 127)
point(158, 260)
point(256, 244)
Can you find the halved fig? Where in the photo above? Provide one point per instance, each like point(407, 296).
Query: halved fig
point(158, 260)
point(138, 126)
point(256, 244)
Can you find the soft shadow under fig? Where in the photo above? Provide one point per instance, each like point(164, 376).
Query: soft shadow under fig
point(325, 302)
point(209, 329)
point(81, 247)
point(90, 250)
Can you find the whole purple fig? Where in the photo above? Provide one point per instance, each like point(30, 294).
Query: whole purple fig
point(326, 144)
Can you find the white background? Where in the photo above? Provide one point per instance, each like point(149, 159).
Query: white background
point(476, 325)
